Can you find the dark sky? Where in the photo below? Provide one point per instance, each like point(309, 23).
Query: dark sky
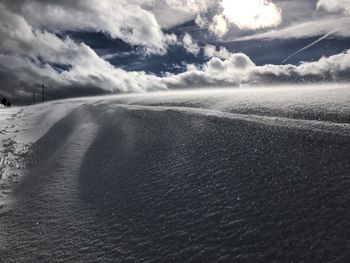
point(89, 47)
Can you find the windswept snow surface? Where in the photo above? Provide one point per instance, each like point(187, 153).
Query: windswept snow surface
point(20, 127)
point(236, 175)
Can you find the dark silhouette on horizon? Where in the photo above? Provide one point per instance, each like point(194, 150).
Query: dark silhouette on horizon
point(5, 102)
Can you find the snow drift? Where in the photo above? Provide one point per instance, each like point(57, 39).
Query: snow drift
point(230, 175)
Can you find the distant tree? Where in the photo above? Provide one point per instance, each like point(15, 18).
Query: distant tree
point(4, 101)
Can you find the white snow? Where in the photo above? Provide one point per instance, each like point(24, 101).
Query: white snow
point(19, 128)
point(317, 108)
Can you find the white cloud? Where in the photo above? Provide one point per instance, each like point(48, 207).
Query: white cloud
point(210, 51)
point(227, 69)
point(219, 25)
point(245, 15)
point(332, 65)
point(313, 28)
point(31, 53)
point(126, 20)
point(19, 38)
point(201, 21)
point(301, 19)
point(252, 14)
point(188, 44)
point(222, 69)
point(174, 12)
point(335, 5)
point(231, 70)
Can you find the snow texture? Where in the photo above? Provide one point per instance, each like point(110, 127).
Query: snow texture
point(240, 175)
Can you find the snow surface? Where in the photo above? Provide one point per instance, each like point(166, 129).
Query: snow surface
point(235, 175)
point(20, 127)
point(323, 108)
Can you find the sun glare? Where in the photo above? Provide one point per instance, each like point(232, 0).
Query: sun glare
point(251, 14)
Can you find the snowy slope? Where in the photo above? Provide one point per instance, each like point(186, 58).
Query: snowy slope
point(322, 108)
point(20, 127)
point(207, 176)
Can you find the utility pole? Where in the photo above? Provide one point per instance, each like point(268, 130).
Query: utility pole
point(34, 98)
point(43, 94)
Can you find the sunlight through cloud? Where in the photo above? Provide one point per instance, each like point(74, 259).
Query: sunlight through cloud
point(252, 14)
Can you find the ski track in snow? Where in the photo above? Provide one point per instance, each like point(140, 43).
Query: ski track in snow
point(20, 127)
point(13, 153)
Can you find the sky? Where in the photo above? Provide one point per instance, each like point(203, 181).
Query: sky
point(92, 47)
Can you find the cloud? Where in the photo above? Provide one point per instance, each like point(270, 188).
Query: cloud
point(86, 70)
point(32, 52)
point(133, 23)
point(335, 5)
point(222, 69)
point(313, 28)
point(142, 22)
point(188, 44)
point(170, 13)
point(30, 57)
point(19, 38)
point(89, 74)
point(302, 19)
point(219, 25)
point(211, 51)
point(252, 14)
point(246, 15)
point(233, 69)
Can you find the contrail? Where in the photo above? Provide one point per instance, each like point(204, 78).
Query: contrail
point(310, 45)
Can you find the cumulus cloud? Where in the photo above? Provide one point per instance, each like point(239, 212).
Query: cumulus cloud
point(222, 68)
point(219, 25)
point(140, 22)
point(188, 44)
point(246, 15)
point(19, 38)
point(232, 69)
point(211, 51)
point(252, 14)
point(201, 21)
point(126, 20)
point(33, 53)
point(87, 72)
point(30, 57)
